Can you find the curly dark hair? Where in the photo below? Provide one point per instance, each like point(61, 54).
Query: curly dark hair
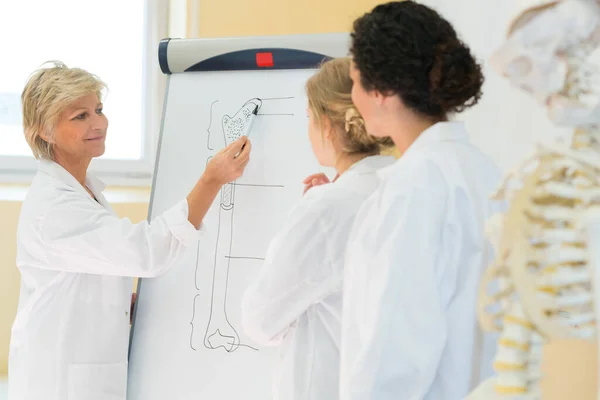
point(408, 49)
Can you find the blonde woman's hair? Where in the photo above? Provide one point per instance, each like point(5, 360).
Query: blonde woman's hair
point(329, 94)
point(48, 92)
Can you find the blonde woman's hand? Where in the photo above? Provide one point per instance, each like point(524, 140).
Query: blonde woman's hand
point(229, 163)
point(316, 180)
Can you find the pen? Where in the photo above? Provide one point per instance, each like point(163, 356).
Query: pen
point(248, 129)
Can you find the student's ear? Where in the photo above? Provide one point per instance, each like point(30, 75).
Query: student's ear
point(327, 129)
point(378, 97)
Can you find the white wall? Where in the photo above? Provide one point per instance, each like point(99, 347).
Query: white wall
point(507, 122)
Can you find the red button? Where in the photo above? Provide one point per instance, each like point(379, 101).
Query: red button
point(264, 59)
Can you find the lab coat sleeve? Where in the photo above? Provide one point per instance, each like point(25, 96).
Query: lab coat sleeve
point(404, 332)
point(79, 235)
point(296, 273)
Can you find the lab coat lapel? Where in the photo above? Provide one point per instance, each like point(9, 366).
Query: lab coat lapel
point(94, 184)
point(97, 186)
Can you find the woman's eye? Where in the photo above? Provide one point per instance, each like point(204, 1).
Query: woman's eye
point(81, 116)
point(99, 111)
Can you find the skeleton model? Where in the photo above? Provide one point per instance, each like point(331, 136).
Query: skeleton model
point(540, 284)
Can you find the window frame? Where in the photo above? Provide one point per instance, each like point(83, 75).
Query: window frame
point(22, 169)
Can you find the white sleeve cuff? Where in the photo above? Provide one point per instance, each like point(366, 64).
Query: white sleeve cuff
point(176, 219)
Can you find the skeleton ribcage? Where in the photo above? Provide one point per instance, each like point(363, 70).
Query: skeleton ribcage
point(540, 278)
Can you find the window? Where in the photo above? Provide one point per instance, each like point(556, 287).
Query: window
point(114, 39)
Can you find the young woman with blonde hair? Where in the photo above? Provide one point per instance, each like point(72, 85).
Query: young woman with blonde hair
point(296, 300)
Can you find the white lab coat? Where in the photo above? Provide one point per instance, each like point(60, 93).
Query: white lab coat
point(414, 262)
point(295, 302)
point(71, 334)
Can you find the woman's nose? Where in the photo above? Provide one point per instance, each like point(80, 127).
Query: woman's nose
point(100, 122)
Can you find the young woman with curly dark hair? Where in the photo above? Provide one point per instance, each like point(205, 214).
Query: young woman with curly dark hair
point(417, 249)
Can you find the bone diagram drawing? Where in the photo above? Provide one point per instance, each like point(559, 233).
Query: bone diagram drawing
point(220, 332)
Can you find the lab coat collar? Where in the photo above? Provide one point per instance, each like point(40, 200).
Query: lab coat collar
point(94, 183)
point(440, 132)
point(365, 166)
point(55, 170)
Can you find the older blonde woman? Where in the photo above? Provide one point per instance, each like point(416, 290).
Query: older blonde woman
point(76, 257)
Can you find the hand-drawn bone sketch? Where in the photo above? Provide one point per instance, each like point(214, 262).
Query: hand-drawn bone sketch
point(220, 332)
